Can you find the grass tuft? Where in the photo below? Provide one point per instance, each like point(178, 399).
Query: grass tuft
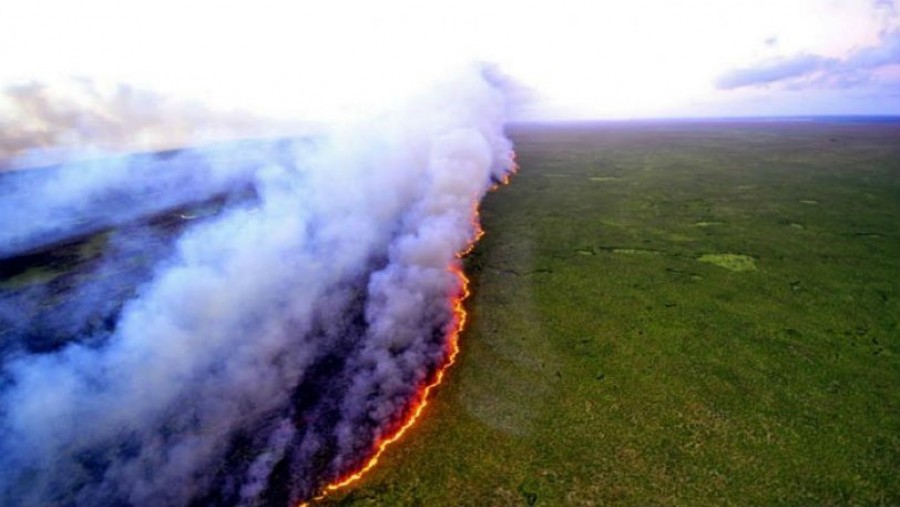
point(730, 261)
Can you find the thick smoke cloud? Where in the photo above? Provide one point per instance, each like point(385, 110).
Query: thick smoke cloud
point(83, 129)
point(280, 339)
point(43, 206)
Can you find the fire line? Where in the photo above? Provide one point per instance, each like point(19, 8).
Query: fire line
point(457, 324)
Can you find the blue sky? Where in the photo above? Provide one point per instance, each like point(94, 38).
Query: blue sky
point(310, 60)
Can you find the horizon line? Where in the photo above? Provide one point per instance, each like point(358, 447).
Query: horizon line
point(837, 118)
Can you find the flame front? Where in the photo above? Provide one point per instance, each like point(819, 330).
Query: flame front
point(456, 326)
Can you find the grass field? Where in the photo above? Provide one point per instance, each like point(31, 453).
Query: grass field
point(674, 314)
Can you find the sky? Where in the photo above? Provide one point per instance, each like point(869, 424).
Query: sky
point(326, 60)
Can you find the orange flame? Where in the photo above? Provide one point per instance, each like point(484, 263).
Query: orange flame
point(456, 326)
point(513, 169)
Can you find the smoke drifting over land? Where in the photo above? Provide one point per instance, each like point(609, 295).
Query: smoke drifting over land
point(280, 339)
point(53, 121)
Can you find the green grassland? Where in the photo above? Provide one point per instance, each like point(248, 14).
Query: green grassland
point(674, 314)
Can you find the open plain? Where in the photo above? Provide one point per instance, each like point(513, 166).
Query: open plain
point(674, 313)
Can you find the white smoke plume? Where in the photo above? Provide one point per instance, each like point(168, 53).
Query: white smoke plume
point(43, 206)
point(69, 139)
point(54, 121)
point(279, 340)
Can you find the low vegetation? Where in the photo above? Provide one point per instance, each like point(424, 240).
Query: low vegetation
point(610, 359)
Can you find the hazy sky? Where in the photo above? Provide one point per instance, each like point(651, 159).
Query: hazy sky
point(608, 59)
